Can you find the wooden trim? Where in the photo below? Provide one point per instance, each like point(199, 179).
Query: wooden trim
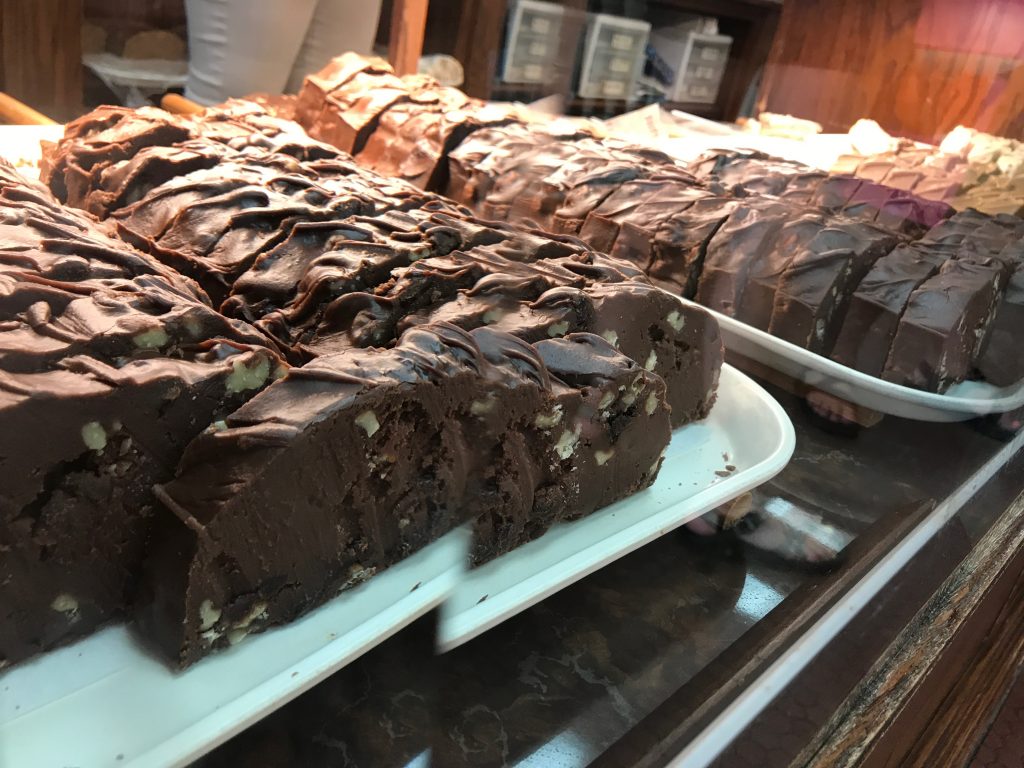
point(889, 719)
point(957, 730)
point(14, 112)
point(408, 26)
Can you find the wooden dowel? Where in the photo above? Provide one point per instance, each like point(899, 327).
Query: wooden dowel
point(408, 24)
point(14, 112)
point(179, 105)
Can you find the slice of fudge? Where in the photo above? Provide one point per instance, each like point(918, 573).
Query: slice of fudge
point(945, 322)
point(812, 294)
point(877, 305)
point(412, 139)
point(737, 248)
point(1000, 361)
point(600, 440)
point(764, 274)
point(681, 241)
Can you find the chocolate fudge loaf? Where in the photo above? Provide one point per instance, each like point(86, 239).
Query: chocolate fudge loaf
point(412, 139)
point(812, 294)
point(114, 363)
point(945, 325)
point(400, 445)
point(477, 162)
point(503, 287)
point(209, 211)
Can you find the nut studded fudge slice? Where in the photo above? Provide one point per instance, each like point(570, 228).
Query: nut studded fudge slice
point(870, 325)
point(813, 293)
point(602, 440)
point(386, 449)
point(109, 365)
point(944, 325)
point(737, 248)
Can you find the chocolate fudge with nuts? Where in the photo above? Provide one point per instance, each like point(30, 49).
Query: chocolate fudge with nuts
point(113, 363)
point(444, 427)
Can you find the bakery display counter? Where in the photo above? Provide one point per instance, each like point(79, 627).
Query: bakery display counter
point(279, 365)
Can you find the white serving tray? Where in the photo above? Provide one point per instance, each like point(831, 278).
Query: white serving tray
point(960, 402)
point(746, 425)
point(105, 701)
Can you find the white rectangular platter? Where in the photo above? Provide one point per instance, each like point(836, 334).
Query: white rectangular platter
point(747, 428)
point(960, 402)
point(105, 701)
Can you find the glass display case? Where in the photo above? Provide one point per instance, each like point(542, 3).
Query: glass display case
point(652, 396)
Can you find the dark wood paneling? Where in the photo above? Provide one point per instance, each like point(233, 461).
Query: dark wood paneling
point(928, 700)
point(918, 67)
point(41, 48)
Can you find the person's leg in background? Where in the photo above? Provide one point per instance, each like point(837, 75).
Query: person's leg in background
point(237, 47)
point(337, 26)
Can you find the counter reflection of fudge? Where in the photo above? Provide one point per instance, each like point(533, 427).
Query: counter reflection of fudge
point(944, 325)
point(401, 445)
point(115, 363)
point(814, 290)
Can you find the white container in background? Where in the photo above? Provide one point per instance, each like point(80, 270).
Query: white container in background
point(613, 56)
point(699, 60)
point(533, 41)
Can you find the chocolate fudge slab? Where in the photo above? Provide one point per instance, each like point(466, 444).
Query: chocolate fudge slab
point(413, 138)
point(740, 244)
point(877, 305)
point(814, 291)
point(764, 274)
point(1001, 362)
point(115, 363)
point(946, 319)
point(680, 244)
point(642, 203)
point(606, 432)
point(395, 447)
point(348, 118)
